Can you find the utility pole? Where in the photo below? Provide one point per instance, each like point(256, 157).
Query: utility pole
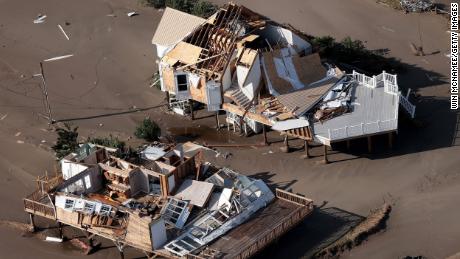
point(45, 95)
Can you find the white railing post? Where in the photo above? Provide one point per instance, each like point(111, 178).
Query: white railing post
point(378, 125)
point(362, 128)
point(346, 131)
point(329, 133)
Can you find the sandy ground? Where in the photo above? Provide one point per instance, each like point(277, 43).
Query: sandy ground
point(108, 77)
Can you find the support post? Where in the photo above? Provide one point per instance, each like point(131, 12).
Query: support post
point(326, 161)
point(264, 130)
point(348, 144)
point(285, 149)
point(121, 248)
point(167, 99)
point(369, 144)
point(217, 120)
point(390, 140)
point(307, 149)
point(190, 103)
point(61, 234)
point(32, 222)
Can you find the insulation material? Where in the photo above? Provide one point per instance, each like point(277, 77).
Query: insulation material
point(194, 79)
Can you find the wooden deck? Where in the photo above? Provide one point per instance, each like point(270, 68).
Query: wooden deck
point(373, 112)
point(264, 227)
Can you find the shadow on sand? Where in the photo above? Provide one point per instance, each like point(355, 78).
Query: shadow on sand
point(324, 226)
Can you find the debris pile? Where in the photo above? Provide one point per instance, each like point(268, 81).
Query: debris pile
point(417, 5)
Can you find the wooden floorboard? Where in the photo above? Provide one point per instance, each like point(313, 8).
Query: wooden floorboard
point(262, 222)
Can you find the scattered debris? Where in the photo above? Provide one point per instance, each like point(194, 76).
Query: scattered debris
point(43, 141)
point(54, 239)
point(17, 134)
point(131, 14)
point(3, 117)
point(80, 245)
point(375, 222)
point(58, 58)
point(63, 32)
point(111, 15)
point(20, 142)
point(40, 19)
point(101, 124)
point(417, 5)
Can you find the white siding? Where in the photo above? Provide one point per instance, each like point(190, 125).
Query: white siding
point(252, 80)
point(171, 183)
point(213, 95)
point(158, 233)
point(70, 169)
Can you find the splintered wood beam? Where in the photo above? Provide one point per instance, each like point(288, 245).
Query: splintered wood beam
point(199, 61)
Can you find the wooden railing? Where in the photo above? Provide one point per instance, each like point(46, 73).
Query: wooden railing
point(291, 197)
point(282, 227)
point(39, 202)
point(34, 204)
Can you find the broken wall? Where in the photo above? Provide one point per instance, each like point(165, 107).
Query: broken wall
point(138, 182)
point(88, 181)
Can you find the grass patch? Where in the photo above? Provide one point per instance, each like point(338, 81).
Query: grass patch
point(395, 4)
point(375, 222)
point(199, 8)
point(353, 54)
point(148, 130)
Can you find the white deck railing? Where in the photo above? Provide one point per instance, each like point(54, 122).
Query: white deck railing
point(409, 107)
point(362, 129)
point(388, 81)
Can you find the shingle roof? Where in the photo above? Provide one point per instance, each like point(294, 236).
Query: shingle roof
point(174, 26)
point(302, 100)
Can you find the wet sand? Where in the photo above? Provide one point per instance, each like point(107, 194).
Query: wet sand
point(107, 79)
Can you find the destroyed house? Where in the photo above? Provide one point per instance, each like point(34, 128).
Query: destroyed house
point(263, 74)
point(168, 202)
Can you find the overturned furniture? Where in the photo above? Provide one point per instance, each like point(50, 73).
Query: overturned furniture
point(176, 206)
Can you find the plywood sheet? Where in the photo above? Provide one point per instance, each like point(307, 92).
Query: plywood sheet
point(196, 192)
point(185, 53)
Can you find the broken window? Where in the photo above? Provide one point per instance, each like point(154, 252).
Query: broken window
point(89, 207)
point(175, 212)
point(105, 210)
point(87, 182)
point(69, 204)
point(182, 83)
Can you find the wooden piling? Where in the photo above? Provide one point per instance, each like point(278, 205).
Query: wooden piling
point(167, 99)
point(190, 103)
point(307, 149)
point(217, 120)
point(348, 144)
point(326, 161)
point(32, 222)
point(61, 234)
point(265, 134)
point(369, 144)
point(285, 149)
point(390, 140)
